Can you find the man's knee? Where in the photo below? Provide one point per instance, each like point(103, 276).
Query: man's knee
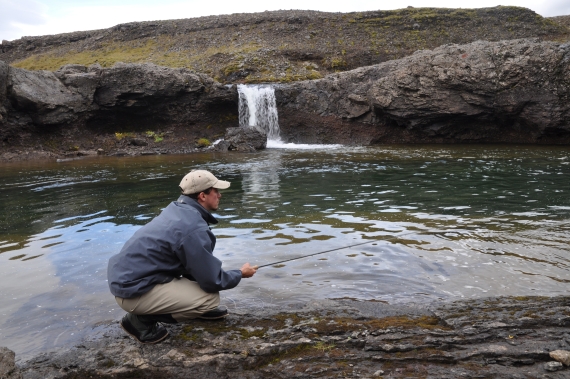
point(206, 304)
point(128, 305)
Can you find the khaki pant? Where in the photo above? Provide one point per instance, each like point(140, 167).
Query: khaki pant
point(181, 298)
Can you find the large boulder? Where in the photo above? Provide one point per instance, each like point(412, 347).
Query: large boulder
point(243, 140)
point(562, 356)
point(43, 97)
point(508, 91)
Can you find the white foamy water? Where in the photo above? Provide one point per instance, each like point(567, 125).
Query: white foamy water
point(273, 144)
point(258, 109)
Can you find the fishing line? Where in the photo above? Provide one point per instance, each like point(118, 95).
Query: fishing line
point(331, 250)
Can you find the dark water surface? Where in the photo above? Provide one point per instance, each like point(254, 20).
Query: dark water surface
point(444, 222)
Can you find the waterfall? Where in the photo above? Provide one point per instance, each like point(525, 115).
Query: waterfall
point(257, 109)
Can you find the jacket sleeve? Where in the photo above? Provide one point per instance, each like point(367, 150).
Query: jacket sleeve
point(196, 255)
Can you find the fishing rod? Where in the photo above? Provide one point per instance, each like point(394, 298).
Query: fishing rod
point(328, 251)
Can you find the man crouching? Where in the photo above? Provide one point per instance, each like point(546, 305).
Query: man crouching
point(166, 272)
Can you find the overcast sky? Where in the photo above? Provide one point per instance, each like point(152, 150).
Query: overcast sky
point(20, 18)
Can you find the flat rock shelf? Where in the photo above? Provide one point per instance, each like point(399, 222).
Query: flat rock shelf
point(504, 337)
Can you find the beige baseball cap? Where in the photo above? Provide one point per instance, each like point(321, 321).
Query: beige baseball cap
point(197, 181)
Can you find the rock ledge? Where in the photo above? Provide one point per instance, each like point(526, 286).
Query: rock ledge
point(497, 337)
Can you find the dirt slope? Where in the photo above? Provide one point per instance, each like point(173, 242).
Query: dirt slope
point(280, 46)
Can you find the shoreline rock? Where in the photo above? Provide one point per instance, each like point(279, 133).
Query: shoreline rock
point(8, 368)
point(511, 337)
point(242, 140)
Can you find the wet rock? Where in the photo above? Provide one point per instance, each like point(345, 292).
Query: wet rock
point(553, 366)
point(8, 368)
point(138, 142)
point(119, 153)
point(562, 356)
point(242, 140)
point(268, 344)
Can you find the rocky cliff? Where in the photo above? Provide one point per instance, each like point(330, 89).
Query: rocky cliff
point(79, 108)
point(511, 91)
point(280, 46)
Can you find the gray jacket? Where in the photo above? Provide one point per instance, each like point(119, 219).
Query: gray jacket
point(178, 242)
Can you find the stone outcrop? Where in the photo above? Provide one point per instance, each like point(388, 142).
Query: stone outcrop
point(242, 140)
point(510, 91)
point(485, 338)
point(77, 101)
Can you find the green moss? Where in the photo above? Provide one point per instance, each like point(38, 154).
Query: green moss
point(120, 136)
point(295, 352)
point(246, 334)
point(529, 298)
point(321, 346)
point(405, 322)
point(231, 68)
point(192, 337)
point(337, 63)
point(158, 51)
point(203, 142)
point(106, 55)
point(52, 144)
point(530, 314)
point(158, 137)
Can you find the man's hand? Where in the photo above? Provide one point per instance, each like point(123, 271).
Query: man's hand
point(248, 271)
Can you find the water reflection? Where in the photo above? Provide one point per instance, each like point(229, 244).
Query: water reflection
point(439, 222)
point(261, 178)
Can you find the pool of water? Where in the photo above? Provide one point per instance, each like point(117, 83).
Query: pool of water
point(429, 222)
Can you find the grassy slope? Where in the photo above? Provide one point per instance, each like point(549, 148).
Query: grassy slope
point(285, 46)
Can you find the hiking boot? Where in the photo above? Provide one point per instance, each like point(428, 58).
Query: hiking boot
point(164, 318)
point(219, 312)
point(144, 332)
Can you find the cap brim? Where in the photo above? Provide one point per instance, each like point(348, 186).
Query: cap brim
point(221, 184)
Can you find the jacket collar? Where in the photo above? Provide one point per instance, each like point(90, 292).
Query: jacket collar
point(207, 216)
